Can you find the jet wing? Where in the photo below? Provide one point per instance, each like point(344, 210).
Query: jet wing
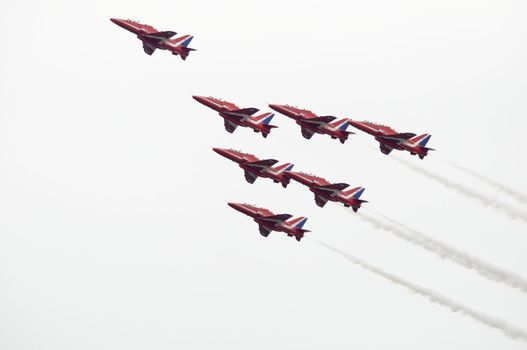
point(318, 120)
point(230, 126)
point(276, 219)
point(264, 231)
point(262, 163)
point(149, 49)
point(159, 36)
point(321, 201)
point(397, 137)
point(385, 149)
point(307, 133)
point(243, 111)
point(250, 177)
point(330, 189)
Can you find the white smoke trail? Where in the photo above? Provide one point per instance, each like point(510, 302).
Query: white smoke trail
point(502, 325)
point(445, 251)
point(522, 198)
point(511, 211)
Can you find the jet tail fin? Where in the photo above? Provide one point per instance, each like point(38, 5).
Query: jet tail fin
point(341, 124)
point(284, 167)
point(420, 140)
point(264, 118)
point(297, 223)
point(182, 41)
point(355, 193)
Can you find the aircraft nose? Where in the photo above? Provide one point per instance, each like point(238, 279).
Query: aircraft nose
point(218, 150)
point(353, 123)
point(117, 21)
point(236, 206)
point(277, 108)
point(200, 99)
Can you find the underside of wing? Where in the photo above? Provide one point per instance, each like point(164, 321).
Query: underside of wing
point(230, 126)
point(149, 49)
point(318, 120)
point(159, 36)
point(330, 189)
point(264, 231)
point(276, 219)
point(320, 200)
point(397, 137)
point(385, 149)
point(263, 163)
point(250, 177)
point(244, 111)
point(307, 133)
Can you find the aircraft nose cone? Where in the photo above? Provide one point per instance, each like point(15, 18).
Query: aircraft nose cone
point(277, 108)
point(353, 123)
point(200, 99)
point(218, 150)
point(117, 21)
point(236, 206)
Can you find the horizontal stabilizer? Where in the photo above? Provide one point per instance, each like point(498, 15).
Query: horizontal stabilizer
point(318, 120)
point(263, 163)
point(183, 52)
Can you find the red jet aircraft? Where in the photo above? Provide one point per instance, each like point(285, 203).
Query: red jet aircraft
point(153, 39)
point(267, 221)
point(311, 124)
point(325, 191)
point(254, 167)
point(390, 139)
point(235, 116)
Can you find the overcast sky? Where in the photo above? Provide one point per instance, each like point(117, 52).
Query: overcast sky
point(114, 227)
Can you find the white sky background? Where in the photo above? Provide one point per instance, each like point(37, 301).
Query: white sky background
point(114, 228)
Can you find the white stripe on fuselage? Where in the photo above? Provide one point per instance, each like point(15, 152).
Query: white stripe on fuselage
point(371, 128)
point(138, 28)
point(214, 103)
point(234, 154)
